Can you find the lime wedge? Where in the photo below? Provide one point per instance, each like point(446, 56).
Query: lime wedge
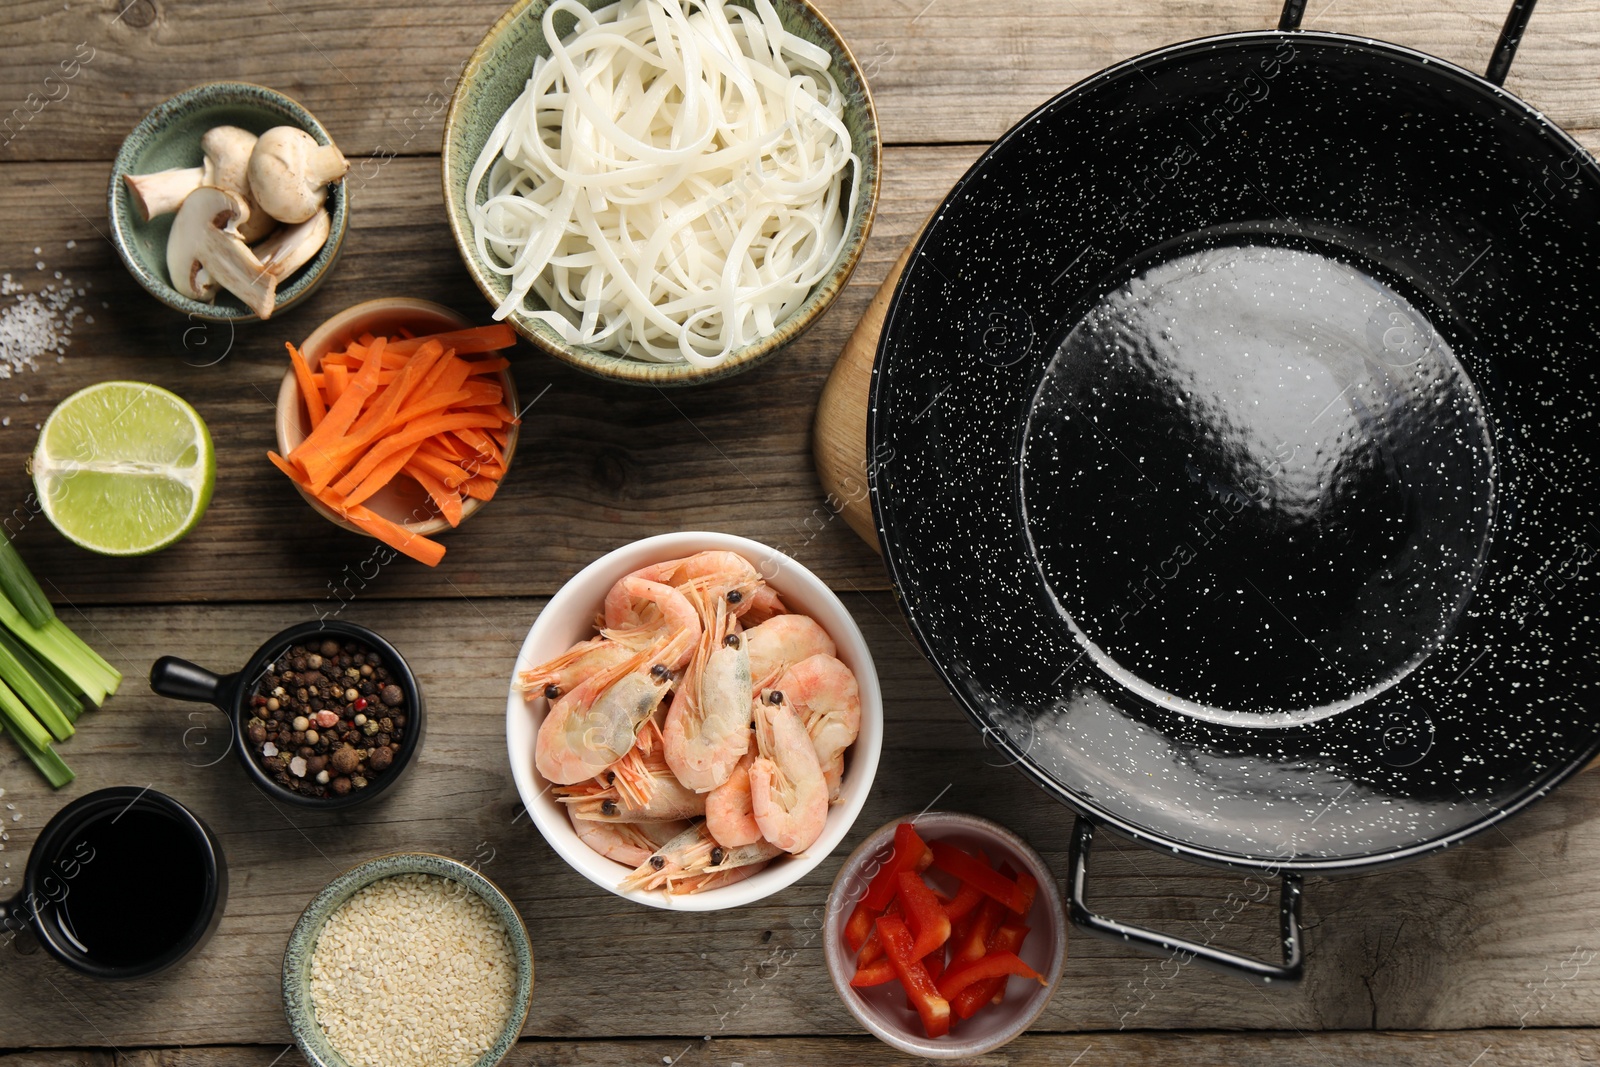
point(124, 468)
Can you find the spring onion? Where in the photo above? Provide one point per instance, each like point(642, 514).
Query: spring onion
point(46, 670)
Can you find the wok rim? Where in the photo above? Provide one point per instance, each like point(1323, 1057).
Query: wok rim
point(1020, 759)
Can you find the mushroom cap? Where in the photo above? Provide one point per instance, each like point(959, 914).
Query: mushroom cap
point(290, 172)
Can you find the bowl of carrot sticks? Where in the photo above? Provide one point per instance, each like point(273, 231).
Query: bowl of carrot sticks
point(397, 420)
point(945, 935)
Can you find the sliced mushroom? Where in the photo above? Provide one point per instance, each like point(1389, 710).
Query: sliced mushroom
point(205, 251)
point(293, 247)
point(290, 173)
point(226, 165)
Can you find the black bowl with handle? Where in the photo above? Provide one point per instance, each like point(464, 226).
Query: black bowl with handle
point(230, 693)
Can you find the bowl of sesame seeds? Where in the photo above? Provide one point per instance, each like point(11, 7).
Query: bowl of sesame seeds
point(408, 960)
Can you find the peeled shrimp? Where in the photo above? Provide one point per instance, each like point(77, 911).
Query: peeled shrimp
point(823, 692)
point(630, 844)
point(708, 726)
point(782, 640)
point(728, 813)
point(692, 854)
point(788, 793)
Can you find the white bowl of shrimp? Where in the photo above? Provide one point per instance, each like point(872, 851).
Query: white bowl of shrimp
point(694, 721)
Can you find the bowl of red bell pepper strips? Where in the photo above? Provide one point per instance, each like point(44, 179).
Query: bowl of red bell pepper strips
point(945, 935)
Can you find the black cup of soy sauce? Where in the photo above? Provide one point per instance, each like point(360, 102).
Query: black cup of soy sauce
point(121, 883)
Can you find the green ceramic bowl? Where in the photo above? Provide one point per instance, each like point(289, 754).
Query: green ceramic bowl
point(297, 1003)
point(495, 76)
point(169, 136)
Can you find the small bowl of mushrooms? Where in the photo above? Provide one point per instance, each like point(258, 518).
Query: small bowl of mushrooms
point(227, 202)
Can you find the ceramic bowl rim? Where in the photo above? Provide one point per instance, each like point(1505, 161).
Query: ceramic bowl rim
point(573, 596)
point(841, 964)
point(640, 372)
point(123, 218)
point(286, 405)
point(301, 1012)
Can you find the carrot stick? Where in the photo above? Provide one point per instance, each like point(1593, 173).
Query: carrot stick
point(448, 501)
point(294, 473)
point(441, 469)
point(324, 439)
point(377, 420)
point(467, 342)
point(428, 405)
point(418, 431)
point(480, 444)
point(493, 365)
point(392, 534)
point(381, 476)
point(483, 394)
point(445, 447)
point(336, 377)
point(480, 488)
point(315, 409)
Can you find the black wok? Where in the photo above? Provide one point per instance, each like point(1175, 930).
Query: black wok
point(1237, 407)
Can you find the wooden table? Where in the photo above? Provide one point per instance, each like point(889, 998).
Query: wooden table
point(1477, 956)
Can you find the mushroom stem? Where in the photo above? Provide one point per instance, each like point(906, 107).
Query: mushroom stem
point(292, 247)
point(161, 192)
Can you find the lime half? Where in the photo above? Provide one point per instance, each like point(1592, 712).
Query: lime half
point(124, 468)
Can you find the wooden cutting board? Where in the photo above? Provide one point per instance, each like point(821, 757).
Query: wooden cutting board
point(839, 435)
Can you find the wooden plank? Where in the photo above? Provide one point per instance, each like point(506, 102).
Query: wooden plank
point(600, 464)
point(1488, 1048)
point(1496, 933)
point(78, 76)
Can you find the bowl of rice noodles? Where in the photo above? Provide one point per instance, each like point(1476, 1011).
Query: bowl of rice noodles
point(662, 192)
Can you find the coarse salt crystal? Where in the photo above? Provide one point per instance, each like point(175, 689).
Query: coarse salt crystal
point(269, 749)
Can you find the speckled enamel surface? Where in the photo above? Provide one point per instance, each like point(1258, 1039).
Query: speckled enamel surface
point(495, 77)
point(169, 136)
point(1231, 432)
point(297, 1005)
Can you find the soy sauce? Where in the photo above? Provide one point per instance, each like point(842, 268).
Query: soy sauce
point(139, 888)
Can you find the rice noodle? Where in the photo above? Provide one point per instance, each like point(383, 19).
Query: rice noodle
point(672, 181)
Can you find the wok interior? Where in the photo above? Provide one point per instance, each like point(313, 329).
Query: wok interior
point(1237, 405)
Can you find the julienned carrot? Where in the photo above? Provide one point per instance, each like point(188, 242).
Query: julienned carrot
point(381, 476)
point(308, 390)
point(335, 378)
point(480, 488)
point(413, 434)
point(448, 499)
point(382, 407)
point(390, 533)
point(340, 416)
point(466, 342)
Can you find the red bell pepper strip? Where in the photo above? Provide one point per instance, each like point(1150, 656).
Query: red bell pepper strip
point(976, 943)
point(975, 872)
point(1029, 885)
point(872, 974)
point(934, 962)
point(962, 903)
point(992, 965)
point(858, 928)
point(924, 912)
point(909, 853)
point(930, 1006)
point(872, 950)
point(1008, 937)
